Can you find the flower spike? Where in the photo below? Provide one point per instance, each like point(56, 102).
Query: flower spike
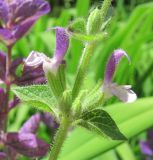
point(124, 93)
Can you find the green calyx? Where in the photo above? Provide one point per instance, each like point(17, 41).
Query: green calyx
point(56, 81)
point(65, 102)
point(77, 26)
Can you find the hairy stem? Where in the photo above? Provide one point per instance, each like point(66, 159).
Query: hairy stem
point(59, 138)
point(87, 53)
point(7, 82)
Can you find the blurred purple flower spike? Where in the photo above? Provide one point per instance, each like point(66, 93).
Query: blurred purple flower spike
point(31, 126)
point(51, 64)
point(27, 144)
point(17, 17)
point(123, 92)
point(147, 146)
point(2, 156)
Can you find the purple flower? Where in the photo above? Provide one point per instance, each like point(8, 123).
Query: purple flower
point(123, 92)
point(26, 144)
point(17, 17)
point(49, 121)
point(28, 76)
point(2, 155)
point(31, 126)
point(147, 146)
point(51, 64)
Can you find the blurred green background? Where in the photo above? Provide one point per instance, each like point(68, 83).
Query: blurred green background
point(131, 28)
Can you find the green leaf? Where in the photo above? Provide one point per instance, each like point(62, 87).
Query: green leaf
point(39, 96)
point(131, 118)
point(99, 121)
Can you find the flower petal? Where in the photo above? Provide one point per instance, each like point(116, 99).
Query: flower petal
point(27, 144)
point(146, 148)
point(4, 11)
point(31, 125)
point(31, 75)
point(62, 43)
point(112, 63)
point(35, 59)
point(29, 8)
point(123, 93)
point(21, 29)
point(6, 36)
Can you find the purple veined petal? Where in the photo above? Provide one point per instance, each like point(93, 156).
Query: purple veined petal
point(27, 144)
point(2, 156)
point(2, 65)
point(31, 125)
point(62, 43)
point(22, 28)
point(29, 8)
point(30, 76)
point(112, 63)
point(124, 93)
point(146, 148)
point(35, 59)
point(4, 11)
point(6, 36)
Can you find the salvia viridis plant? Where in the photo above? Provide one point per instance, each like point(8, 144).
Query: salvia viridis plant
point(45, 82)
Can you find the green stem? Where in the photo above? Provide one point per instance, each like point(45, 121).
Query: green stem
point(87, 53)
point(59, 138)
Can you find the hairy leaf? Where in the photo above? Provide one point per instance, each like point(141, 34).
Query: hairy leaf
point(39, 96)
point(99, 121)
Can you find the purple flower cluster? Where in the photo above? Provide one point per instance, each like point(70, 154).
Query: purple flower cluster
point(25, 142)
point(16, 18)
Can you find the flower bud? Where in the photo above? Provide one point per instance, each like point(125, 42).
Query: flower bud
point(94, 22)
